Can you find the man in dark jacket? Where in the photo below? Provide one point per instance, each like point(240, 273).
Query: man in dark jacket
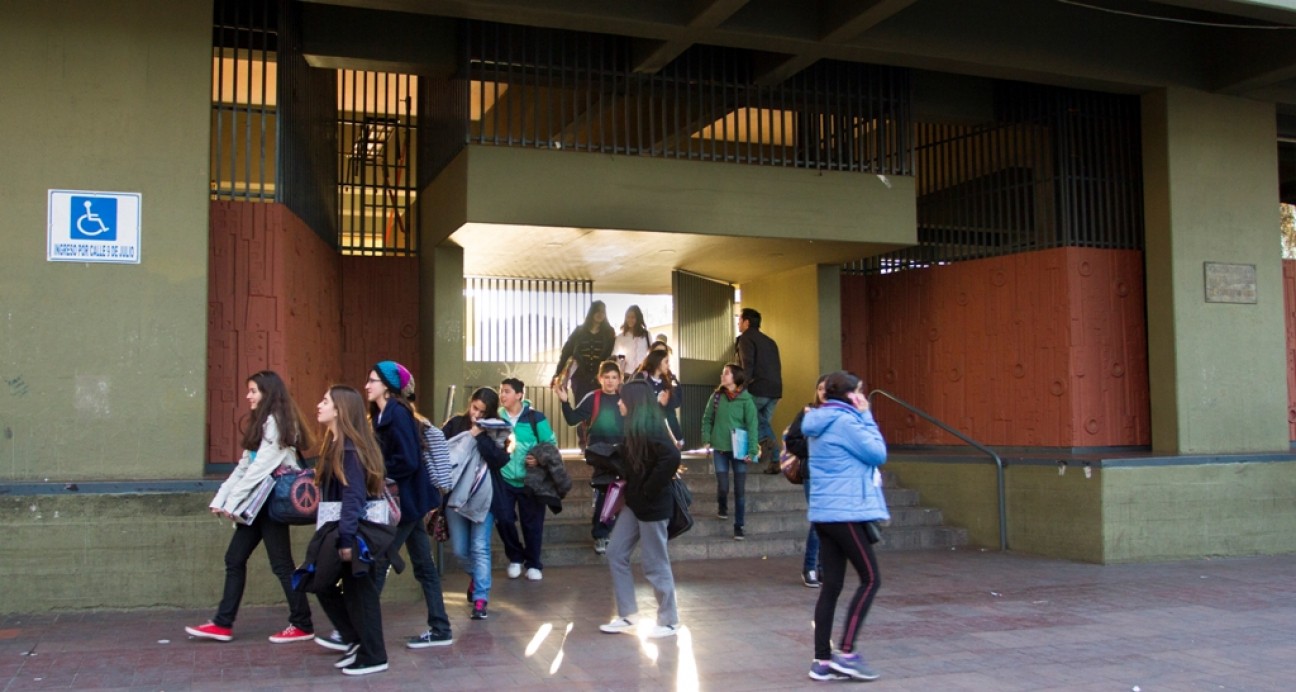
point(759, 357)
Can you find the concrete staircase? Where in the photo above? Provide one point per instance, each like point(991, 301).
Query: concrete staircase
point(775, 523)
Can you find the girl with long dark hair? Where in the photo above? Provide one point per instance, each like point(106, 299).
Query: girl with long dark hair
point(272, 438)
point(650, 460)
point(655, 369)
point(471, 542)
point(731, 409)
point(350, 473)
point(846, 449)
point(584, 350)
point(632, 343)
point(390, 391)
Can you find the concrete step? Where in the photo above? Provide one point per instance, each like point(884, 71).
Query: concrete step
point(699, 544)
point(776, 522)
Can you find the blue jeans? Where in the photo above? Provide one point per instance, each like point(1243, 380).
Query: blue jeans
point(812, 539)
point(723, 462)
point(471, 545)
point(415, 538)
point(764, 413)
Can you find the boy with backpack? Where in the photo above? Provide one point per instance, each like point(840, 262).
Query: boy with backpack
point(599, 411)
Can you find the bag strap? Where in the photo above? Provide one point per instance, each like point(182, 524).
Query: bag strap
point(598, 399)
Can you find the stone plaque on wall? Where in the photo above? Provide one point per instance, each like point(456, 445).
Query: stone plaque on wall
point(1230, 283)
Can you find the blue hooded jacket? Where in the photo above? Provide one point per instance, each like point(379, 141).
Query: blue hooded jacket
point(846, 449)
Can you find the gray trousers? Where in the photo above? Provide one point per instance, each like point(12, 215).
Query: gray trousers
point(627, 532)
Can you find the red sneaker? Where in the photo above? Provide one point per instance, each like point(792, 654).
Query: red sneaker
point(292, 634)
point(211, 631)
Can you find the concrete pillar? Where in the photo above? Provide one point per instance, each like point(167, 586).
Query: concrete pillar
point(801, 310)
point(1217, 370)
point(441, 328)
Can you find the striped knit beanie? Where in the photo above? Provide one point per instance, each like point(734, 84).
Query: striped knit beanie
point(396, 377)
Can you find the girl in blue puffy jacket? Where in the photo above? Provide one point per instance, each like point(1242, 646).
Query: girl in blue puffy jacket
point(846, 450)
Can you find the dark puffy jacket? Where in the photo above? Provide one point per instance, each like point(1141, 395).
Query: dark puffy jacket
point(398, 438)
point(647, 492)
point(759, 357)
point(548, 480)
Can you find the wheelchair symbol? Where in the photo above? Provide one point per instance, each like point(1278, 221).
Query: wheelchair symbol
point(85, 221)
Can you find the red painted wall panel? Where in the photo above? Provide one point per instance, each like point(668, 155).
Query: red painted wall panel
point(274, 303)
point(1040, 349)
point(380, 318)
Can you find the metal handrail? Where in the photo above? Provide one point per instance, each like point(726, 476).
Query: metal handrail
point(999, 465)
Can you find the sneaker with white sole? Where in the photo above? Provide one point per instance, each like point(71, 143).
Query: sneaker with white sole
point(600, 545)
point(348, 656)
point(810, 578)
point(211, 630)
point(429, 638)
point(332, 641)
point(852, 664)
point(534, 574)
point(663, 631)
point(514, 570)
point(291, 634)
point(820, 670)
point(618, 626)
point(365, 669)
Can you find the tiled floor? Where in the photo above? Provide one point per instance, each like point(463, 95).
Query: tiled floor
point(949, 620)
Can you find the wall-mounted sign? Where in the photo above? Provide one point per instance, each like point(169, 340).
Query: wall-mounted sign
point(93, 227)
point(1230, 283)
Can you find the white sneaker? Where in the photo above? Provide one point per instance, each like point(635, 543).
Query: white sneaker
point(534, 574)
point(515, 570)
point(661, 631)
point(618, 626)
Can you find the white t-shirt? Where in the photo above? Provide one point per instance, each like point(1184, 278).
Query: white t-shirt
point(635, 349)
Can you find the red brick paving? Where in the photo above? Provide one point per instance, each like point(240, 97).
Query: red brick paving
point(950, 620)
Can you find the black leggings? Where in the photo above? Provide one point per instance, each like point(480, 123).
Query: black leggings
point(840, 542)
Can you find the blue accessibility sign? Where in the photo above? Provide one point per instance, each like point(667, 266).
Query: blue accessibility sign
point(96, 218)
point(86, 226)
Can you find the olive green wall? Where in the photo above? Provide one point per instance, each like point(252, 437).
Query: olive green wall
point(580, 190)
point(1217, 371)
point(1048, 514)
point(1119, 513)
point(1166, 513)
point(147, 550)
point(104, 366)
point(801, 311)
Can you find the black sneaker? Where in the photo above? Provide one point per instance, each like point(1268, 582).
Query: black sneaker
point(332, 641)
point(810, 578)
point(479, 610)
point(428, 638)
point(348, 657)
point(722, 514)
point(738, 533)
point(364, 669)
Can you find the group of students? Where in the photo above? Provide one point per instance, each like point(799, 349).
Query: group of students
point(370, 438)
point(631, 433)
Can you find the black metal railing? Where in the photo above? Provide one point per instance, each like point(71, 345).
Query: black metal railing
point(377, 163)
point(994, 457)
point(1057, 168)
point(244, 118)
point(552, 89)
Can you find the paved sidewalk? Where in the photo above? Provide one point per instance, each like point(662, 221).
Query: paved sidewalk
point(952, 620)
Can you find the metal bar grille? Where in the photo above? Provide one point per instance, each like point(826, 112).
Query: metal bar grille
point(553, 89)
point(1059, 168)
point(377, 163)
point(521, 320)
point(244, 121)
